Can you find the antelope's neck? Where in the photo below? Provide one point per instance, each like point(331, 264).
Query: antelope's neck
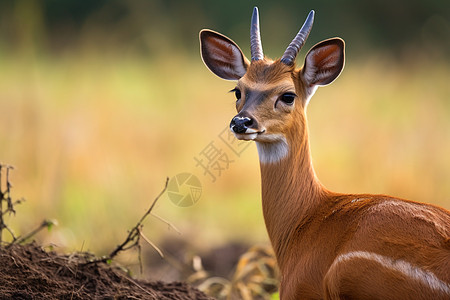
point(290, 190)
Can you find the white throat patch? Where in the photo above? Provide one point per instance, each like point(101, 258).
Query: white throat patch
point(272, 152)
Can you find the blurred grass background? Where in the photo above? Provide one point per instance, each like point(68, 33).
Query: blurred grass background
point(101, 100)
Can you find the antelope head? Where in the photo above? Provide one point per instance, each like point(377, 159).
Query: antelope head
point(272, 96)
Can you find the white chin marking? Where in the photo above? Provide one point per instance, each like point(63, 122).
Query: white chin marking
point(249, 135)
point(246, 136)
point(251, 130)
point(273, 151)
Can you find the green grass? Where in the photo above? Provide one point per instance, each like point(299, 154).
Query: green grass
point(93, 138)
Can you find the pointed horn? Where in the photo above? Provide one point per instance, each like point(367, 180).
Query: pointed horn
point(299, 40)
point(255, 38)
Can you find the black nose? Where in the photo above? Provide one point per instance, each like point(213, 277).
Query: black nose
point(240, 124)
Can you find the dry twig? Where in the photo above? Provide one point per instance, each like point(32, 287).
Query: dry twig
point(134, 234)
point(5, 198)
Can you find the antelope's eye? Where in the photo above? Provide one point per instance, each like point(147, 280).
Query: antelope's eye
point(237, 93)
point(288, 98)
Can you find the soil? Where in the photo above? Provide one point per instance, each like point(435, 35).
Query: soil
point(29, 272)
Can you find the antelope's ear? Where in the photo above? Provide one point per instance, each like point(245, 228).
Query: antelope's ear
point(324, 62)
point(222, 56)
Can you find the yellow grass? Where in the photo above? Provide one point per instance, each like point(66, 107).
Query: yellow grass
point(93, 138)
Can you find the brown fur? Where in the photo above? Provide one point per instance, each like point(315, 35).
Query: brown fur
point(266, 71)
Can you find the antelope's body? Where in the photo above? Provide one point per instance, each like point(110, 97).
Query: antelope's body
point(328, 245)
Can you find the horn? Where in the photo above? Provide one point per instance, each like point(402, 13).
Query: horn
point(299, 40)
point(255, 37)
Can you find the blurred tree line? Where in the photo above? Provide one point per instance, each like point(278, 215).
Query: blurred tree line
point(152, 27)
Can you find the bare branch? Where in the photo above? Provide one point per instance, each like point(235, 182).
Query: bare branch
point(8, 190)
point(7, 207)
point(5, 197)
point(134, 235)
point(44, 224)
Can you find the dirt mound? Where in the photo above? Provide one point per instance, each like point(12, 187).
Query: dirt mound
point(29, 272)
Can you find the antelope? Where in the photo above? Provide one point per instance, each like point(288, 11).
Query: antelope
point(328, 245)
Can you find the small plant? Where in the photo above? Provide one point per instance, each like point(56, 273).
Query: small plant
point(7, 207)
point(275, 296)
point(6, 202)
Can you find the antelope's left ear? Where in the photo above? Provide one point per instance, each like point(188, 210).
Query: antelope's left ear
point(324, 62)
point(222, 56)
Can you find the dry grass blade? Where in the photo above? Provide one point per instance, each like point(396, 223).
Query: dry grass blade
point(167, 222)
point(140, 287)
point(151, 243)
point(256, 275)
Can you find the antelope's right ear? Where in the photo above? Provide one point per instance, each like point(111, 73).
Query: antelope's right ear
point(222, 56)
point(324, 62)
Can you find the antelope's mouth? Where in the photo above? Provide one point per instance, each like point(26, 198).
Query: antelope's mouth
point(248, 136)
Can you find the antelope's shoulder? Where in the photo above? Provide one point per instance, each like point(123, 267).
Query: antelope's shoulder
point(392, 221)
point(381, 213)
